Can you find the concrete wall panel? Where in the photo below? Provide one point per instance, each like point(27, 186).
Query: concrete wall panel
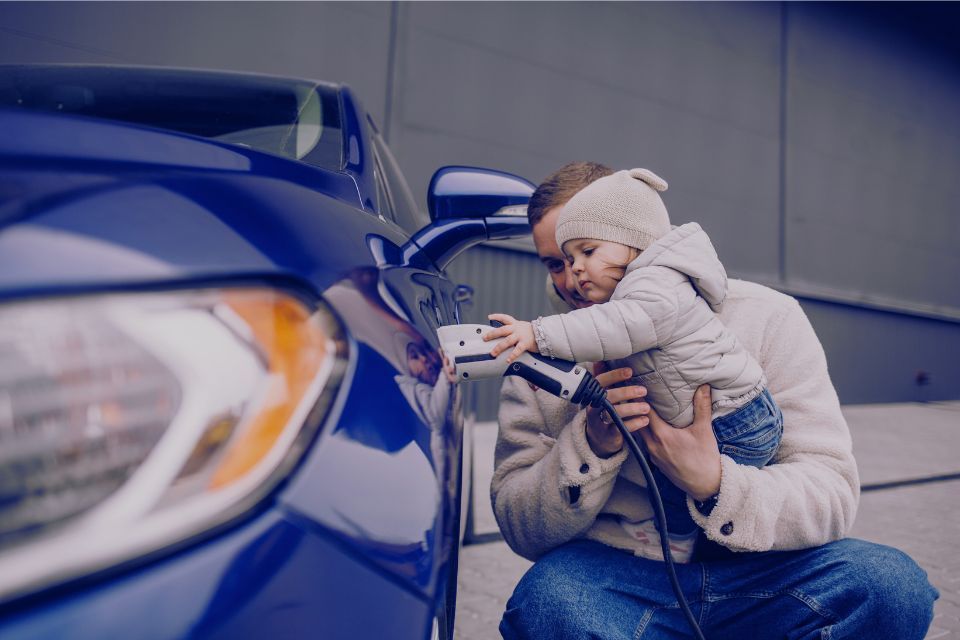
point(873, 151)
point(336, 41)
point(886, 357)
point(691, 92)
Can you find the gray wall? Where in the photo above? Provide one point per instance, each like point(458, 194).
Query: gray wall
point(872, 151)
point(818, 144)
point(336, 41)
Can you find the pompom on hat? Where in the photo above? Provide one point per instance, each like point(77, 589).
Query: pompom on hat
point(624, 207)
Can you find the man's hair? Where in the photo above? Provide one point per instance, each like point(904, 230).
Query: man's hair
point(563, 184)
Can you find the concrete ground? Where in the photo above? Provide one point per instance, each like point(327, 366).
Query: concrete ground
point(909, 459)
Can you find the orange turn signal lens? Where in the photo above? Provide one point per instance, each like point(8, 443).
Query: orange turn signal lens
point(295, 347)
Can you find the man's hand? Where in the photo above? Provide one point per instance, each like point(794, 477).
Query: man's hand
point(603, 436)
point(515, 333)
point(689, 457)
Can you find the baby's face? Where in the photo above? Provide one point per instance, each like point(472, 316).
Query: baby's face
point(597, 266)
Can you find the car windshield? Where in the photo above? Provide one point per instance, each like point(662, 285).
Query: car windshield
point(293, 118)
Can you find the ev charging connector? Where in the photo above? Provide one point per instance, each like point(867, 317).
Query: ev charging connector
point(464, 345)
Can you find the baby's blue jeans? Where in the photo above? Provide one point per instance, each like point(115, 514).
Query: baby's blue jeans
point(750, 435)
point(849, 589)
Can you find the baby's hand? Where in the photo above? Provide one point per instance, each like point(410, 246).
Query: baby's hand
point(516, 333)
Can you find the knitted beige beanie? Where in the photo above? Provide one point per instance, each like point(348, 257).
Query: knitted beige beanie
point(624, 207)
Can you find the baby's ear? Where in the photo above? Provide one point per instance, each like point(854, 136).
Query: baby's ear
point(656, 182)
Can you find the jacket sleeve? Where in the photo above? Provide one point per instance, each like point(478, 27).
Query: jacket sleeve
point(809, 495)
point(545, 491)
point(638, 319)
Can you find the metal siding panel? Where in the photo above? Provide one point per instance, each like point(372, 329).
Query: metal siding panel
point(504, 281)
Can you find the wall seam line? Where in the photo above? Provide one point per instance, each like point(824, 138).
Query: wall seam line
point(783, 144)
point(391, 70)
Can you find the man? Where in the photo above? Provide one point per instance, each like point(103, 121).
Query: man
point(772, 562)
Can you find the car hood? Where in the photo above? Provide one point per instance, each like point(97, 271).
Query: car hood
point(94, 204)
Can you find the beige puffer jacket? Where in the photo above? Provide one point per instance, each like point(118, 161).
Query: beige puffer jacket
point(661, 322)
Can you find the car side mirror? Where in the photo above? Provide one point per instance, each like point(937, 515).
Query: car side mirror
point(471, 192)
point(469, 205)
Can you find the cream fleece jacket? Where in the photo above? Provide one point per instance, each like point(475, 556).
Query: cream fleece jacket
point(549, 487)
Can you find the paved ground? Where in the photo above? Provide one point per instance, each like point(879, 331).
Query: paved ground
point(893, 444)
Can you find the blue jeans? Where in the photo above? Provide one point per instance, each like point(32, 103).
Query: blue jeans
point(845, 589)
point(750, 435)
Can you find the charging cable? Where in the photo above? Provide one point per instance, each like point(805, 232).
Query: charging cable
point(593, 394)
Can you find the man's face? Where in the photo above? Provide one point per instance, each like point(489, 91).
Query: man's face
point(424, 363)
point(545, 240)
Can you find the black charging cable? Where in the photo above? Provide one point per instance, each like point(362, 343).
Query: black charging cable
point(593, 394)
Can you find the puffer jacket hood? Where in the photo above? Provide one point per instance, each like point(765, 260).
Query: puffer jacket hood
point(688, 249)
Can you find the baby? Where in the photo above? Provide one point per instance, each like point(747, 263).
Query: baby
point(656, 290)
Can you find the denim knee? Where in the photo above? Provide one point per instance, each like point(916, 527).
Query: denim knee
point(885, 592)
point(545, 598)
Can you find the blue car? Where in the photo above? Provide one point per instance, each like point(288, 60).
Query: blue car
point(223, 410)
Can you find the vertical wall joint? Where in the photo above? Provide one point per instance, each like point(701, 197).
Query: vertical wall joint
point(391, 70)
point(784, 77)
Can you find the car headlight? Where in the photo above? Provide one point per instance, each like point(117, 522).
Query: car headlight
point(130, 422)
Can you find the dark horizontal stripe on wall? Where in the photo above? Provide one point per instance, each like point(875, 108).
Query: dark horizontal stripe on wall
point(880, 486)
point(483, 538)
point(496, 536)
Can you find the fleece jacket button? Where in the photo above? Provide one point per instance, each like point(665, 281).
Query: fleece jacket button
point(727, 529)
point(584, 468)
